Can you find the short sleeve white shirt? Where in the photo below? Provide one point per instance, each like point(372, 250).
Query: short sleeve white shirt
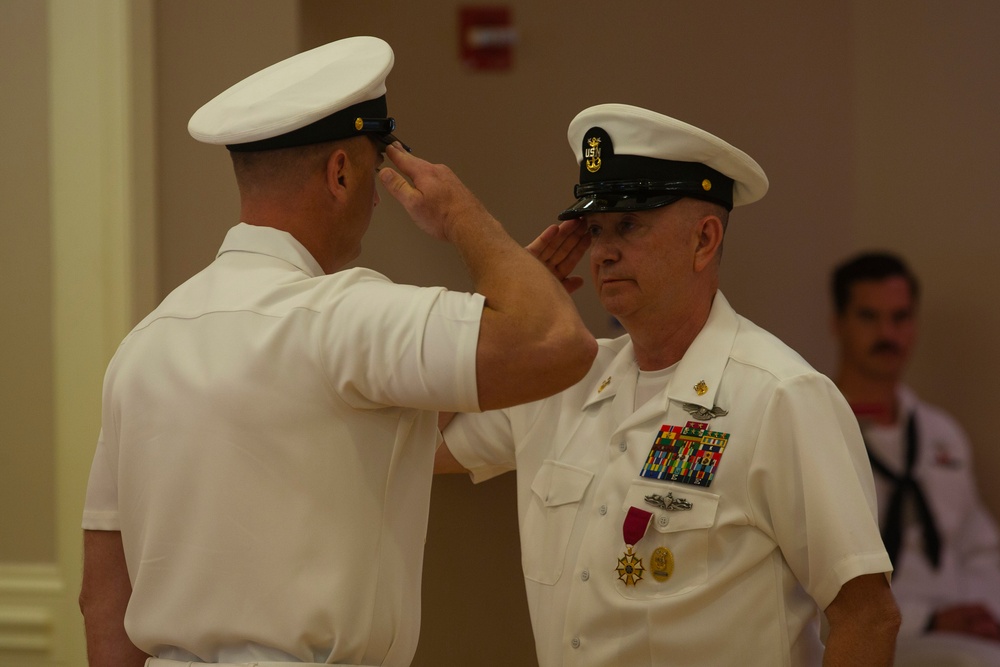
point(785, 517)
point(267, 446)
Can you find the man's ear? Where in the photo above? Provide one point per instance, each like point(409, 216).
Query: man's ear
point(337, 171)
point(708, 233)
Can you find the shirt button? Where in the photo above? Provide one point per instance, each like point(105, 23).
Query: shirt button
point(585, 575)
point(622, 445)
point(575, 643)
point(662, 520)
point(603, 510)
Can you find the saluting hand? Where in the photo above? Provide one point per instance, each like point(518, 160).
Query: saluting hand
point(436, 200)
point(560, 248)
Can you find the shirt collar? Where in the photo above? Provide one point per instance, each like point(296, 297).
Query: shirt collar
point(622, 367)
point(699, 371)
point(273, 243)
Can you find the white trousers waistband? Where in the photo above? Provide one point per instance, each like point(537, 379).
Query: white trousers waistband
point(163, 662)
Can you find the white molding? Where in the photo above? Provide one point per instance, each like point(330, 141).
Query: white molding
point(29, 579)
point(31, 596)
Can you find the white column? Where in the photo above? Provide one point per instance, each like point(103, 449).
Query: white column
point(102, 220)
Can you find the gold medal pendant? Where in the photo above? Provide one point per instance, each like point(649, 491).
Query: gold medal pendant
point(630, 568)
point(661, 564)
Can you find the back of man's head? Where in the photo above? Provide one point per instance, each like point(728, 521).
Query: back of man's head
point(285, 170)
point(868, 266)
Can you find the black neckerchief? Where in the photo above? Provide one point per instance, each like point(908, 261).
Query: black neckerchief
point(904, 487)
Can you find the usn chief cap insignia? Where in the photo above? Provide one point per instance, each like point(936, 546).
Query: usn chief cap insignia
point(598, 151)
point(592, 154)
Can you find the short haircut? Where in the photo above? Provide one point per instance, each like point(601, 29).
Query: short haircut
point(868, 266)
point(288, 167)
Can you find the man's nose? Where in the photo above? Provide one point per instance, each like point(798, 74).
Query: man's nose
point(603, 250)
point(888, 328)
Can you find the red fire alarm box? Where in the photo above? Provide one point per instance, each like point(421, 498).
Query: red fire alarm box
point(486, 37)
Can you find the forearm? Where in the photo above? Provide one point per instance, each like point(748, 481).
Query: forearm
point(104, 597)
point(532, 342)
point(527, 310)
point(864, 621)
point(855, 644)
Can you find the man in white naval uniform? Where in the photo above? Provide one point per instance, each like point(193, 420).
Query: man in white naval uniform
point(262, 480)
point(703, 495)
point(941, 539)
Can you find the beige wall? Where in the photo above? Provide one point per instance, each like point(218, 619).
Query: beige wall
point(202, 48)
point(925, 183)
point(874, 121)
point(27, 468)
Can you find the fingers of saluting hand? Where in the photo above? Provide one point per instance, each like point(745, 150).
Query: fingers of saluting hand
point(433, 195)
point(560, 247)
point(393, 181)
point(395, 184)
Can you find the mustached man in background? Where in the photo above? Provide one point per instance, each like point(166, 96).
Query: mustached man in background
point(940, 537)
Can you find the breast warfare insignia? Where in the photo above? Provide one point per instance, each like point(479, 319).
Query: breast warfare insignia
point(704, 414)
point(688, 454)
point(669, 503)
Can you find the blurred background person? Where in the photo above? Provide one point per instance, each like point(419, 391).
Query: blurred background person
point(941, 539)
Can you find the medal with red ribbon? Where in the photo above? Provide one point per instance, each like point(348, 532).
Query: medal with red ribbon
point(630, 568)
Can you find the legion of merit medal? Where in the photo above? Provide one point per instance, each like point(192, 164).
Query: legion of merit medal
point(630, 567)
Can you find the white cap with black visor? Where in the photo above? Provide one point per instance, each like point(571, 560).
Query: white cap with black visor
point(334, 91)
point(633, 159)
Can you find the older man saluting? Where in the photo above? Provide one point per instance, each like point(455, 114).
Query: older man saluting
point(703, 495)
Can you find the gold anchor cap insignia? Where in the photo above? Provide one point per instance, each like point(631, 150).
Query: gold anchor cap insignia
point(593, 154)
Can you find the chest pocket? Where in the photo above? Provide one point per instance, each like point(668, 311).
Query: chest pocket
point(555, 498)
point(683, 533)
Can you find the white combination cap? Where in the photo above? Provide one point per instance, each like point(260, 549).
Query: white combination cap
point(635, 159)
point(331, 92)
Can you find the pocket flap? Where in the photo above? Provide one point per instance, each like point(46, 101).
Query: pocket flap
point(703, 505)
point(558, 483)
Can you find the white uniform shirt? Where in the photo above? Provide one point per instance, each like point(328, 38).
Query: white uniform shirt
point(272, 500)
point(970, 556)
point(788, 518)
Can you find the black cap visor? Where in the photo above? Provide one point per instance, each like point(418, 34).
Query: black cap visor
point(617, 203)
point(639, 195)
point(386, 139)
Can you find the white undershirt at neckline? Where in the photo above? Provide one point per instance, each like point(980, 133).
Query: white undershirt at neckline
point(651, 383)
